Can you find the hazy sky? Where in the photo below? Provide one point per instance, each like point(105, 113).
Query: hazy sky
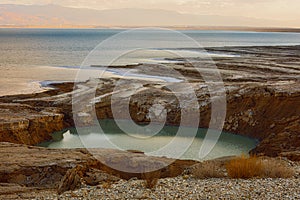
point(268, 9)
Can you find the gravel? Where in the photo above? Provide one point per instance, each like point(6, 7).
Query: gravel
point(187, 187)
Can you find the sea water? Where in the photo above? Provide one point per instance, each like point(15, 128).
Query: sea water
point(69, 47)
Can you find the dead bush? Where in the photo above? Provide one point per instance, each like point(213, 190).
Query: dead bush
point(251, 167)
point(208, 169)
point(244, 167)
point(277, 169)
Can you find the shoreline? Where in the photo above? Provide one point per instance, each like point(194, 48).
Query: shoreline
point(243, 116)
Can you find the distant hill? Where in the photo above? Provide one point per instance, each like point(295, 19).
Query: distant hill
point(53, 15)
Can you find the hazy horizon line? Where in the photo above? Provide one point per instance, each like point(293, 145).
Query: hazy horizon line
point(217, 28)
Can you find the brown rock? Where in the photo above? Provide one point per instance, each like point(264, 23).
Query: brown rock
point(72, 180)
point(292, 155)
point(25, 124)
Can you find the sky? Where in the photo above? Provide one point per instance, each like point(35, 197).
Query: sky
point(265, 9)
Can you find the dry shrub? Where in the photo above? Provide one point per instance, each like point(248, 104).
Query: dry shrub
point(277, 169)
point(208, 169)
point(251, 167)
point(243, 167)
point(151, 178)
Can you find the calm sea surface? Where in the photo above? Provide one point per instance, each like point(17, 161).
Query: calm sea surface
point(69, 47)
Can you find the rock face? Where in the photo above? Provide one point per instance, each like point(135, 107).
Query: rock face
point(262, 93)
point(21, 123)
point(33, 166)
point(285, 143)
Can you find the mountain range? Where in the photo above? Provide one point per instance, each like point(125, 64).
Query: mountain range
point(54, 15)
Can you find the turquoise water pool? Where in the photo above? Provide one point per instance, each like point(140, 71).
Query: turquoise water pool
point(112, 137)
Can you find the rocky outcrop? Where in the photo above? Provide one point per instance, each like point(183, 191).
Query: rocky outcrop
point(21, 123)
